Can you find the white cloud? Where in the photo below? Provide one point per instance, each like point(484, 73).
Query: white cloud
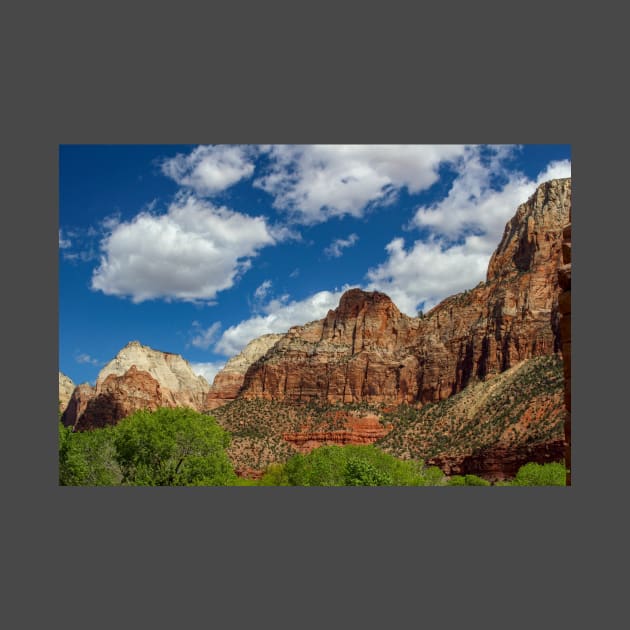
point(86, 358)
point(210, 169)
point(280, 315)
point(64, 243)
point(334, 250)
point(190, 253)
point(427, 272)
point(465, 228)
point(204, 338)
point(316, 182)
point(473, 203)
point(207, 370)
point(261, 292)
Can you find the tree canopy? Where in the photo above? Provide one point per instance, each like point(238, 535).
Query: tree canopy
point(350, 465)
point(172, 447)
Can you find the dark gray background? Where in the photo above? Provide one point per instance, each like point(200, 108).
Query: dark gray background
point(301, 73)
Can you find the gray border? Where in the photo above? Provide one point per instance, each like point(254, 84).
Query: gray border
point(375, 557)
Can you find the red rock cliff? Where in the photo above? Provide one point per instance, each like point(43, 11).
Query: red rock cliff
point(564, 307)
point(367, 350)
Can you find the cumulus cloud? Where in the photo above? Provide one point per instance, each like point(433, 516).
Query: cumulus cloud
point(428, 272)
point(475, 203)
point(279, 315)
point(316, 182)
point(335, 249)
point(205, 337)
point(190, 253)
point(464, 229)
point(210, 169)
point(207, 370)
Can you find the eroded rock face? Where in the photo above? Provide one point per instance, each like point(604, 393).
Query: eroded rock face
point(564, 308)
point(137, 378)
point(66, 387)
point(499, 462)
point(365, 429)
point(367, 350)
point(227, 383)
point(115, 398)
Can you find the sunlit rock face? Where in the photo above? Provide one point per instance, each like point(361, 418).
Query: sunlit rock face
point(139, 377)
point(367, 350)
point(227, 383)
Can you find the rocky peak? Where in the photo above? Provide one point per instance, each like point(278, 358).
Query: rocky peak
point(66, 387)
point(363, 319)
point(353, 301)
point(138, 377)
point(255, 349)
point(172, 371)
point(534, 230)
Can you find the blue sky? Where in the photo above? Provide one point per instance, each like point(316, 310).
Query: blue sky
point(197, 249)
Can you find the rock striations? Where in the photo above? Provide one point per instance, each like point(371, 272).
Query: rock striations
point(564, 308)
point(137, 378)
point(366, 350)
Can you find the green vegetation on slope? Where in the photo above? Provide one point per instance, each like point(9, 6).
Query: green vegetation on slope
point(181, 447)
point(484, 414)
point(350, 466)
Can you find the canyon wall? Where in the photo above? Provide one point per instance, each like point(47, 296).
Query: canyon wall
point(367, 350)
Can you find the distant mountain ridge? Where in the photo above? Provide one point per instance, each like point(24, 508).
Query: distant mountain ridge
point(66, 387)
point(138, 377)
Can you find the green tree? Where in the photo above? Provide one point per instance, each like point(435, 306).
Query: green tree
point(173, 447)
point(362, 473)
point(355, 465)
point(275, 475)
point(532, 474)
point(86, 458)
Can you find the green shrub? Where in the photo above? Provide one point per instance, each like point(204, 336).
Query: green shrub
point(456, 480)
point(354, 465)
point(532, 474)
point(473, 480)
point(275, 475)
point(466, 480)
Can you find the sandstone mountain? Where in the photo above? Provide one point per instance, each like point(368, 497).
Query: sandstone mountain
point(66, 387)
point(227, 383)
point(367, 350)
point(139, 377)
point(490, 428)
